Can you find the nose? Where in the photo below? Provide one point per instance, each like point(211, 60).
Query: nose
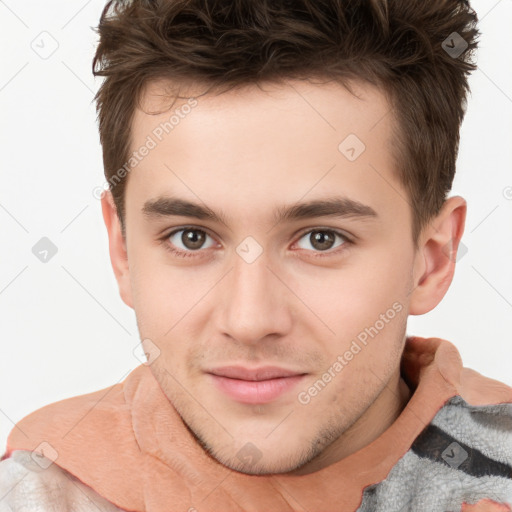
point(255, 303)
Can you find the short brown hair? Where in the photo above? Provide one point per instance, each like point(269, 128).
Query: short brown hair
point(401, 46)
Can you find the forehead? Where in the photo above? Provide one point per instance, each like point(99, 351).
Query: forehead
point(328, 104)
point(295, 138)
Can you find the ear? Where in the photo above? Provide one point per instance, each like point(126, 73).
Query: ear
point(435, 259)
point(117, 247)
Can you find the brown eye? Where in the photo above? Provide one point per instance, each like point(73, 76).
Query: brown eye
point(322, 239)
point(189, 239)
point(193, 239)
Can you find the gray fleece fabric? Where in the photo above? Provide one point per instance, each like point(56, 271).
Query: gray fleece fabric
point(463, 456)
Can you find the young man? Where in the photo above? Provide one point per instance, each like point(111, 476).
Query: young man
point(278, 176)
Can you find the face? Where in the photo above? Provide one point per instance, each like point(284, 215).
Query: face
point(270, 265)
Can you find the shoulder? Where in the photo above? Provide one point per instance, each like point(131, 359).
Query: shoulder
point(463, 456)
point(35, 485)
point(486, 429)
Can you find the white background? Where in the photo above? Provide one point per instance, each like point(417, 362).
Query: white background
point(65, 330)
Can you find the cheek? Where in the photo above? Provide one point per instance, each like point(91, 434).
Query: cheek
point(355, 297)
point(154, 294)
point(168, 300)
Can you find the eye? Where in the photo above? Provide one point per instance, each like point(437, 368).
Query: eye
point(187, 240)
point(322, 240)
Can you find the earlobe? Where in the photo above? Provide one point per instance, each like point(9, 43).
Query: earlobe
point(117, 247)
point(435, 259)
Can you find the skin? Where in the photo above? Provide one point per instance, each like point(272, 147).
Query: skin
point(244, 153)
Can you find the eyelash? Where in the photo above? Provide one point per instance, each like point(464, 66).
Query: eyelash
point(191, 254)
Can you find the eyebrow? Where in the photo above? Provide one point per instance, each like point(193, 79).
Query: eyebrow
point(339, 207)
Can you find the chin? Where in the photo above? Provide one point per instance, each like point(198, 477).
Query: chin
point(260, 469)
point(250, 461)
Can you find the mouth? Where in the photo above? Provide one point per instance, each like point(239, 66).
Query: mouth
point(255, 386)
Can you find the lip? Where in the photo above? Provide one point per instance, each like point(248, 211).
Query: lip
point(255, 386)
point(255, 374)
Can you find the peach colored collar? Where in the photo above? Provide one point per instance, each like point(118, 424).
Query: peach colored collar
point(129, 444)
